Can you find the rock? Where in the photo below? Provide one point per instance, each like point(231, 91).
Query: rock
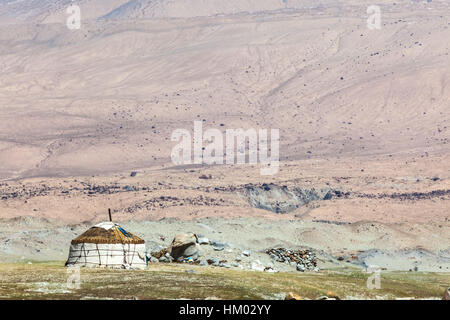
point(184, 246)
point(218, 248)
point(218, 244)
point(301, 268)
point(163, 259)
point(157, 251)
point(203, 240)
point(316, 269)
point(236, 265)
point(213, 262)
point(333, 295)
point(203, 263)
point(224, 265)
point(191, 252)
point(293, 296)
point(246, 253)
point(257, 266)
point(446, 294)
point(153, 260)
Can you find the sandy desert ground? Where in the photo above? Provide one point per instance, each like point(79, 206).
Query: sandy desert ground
point(363, 117)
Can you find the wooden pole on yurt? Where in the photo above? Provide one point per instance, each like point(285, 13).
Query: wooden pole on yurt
point(109, 213)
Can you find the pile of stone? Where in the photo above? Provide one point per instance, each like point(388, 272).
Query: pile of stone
point(302, 259)
point(185, 248)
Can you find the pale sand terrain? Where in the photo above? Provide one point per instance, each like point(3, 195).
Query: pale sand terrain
point(361, 111)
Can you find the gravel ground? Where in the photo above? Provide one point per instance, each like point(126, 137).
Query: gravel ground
point(245, 241)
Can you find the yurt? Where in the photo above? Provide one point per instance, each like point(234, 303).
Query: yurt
point(107, 245)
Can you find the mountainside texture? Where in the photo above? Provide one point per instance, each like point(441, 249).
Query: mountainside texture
point(86, 116)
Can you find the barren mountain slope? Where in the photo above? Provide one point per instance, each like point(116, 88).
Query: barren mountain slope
point(107, 97)
point(363, 118)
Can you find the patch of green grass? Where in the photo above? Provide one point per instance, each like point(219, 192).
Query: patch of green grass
point(172, 281)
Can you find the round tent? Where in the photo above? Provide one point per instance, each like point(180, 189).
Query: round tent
point(107, 245)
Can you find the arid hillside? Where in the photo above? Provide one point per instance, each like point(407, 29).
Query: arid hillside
point(86, 118)
point(107, 97)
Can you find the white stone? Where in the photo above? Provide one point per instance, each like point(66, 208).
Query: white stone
point(257, 266)
point(203, 240)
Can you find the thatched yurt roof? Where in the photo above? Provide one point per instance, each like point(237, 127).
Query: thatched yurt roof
point(107, 232)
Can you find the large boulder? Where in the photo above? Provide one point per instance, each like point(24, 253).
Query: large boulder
point(184, 246)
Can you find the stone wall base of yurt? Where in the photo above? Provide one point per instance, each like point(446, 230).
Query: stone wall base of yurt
point(117, 256)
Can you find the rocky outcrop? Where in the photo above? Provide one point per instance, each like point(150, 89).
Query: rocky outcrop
point(282, 199)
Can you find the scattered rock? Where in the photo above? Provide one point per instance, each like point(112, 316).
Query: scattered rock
point(302, 259)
